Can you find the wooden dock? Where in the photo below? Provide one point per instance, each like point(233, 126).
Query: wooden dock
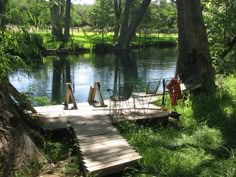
point(103, 150)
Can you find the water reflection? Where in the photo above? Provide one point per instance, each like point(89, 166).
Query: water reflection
point(111, 70)
point(61, 74)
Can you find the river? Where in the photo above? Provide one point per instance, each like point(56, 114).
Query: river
point(111, 70)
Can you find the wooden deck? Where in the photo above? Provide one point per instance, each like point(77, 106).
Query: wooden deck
point(103, 149)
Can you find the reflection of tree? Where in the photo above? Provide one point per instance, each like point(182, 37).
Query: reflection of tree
point(61, 75)
point(129, 67)
point(116, 73)
point(155, 63)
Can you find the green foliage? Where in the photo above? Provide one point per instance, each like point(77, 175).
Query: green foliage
point(8, 61)
point(220, 19)
point(41, 101)
point(29, 13)
point(160, 18)
point(54, 150)
point(72, 167)
point(102, 16)
point(81, 16)
point(61, 150)
point(26, 45)
point(226, 168)
point(90, 39)
point(201, 144)
point(29, 171)
point(58, 147)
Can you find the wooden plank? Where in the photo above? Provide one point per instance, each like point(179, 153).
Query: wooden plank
point(105, 156)
point(97, 87)
point(100, 138)
point(69, 93)
point(114, 163)
point(105, 130)
point(84, 130)
point(90, 163)
point(102, 147)
point(94, 133)
point(81, 137)
point(87, 123)
point(101, 141)
point(90, 97)
point(105, 144)
point(92, 152)
point(96, 154)
point(190, 87)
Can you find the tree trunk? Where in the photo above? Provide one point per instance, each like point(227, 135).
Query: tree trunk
point(117, 9)
point(128, 31)
point(125, 22)
point(194, 60)
point(56, 21)
point(3, 15)
point(67, 21)
point(17, 149)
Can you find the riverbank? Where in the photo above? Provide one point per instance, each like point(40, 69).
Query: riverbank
point(93, 42)
point(202, 143)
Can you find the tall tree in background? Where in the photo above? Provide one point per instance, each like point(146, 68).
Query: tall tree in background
point(67, 21)
point(128, 28)
point(194, 60)
point(117, 9)
point(3, 11)
point(57, 12)
point(60, 18)
point(102, 16)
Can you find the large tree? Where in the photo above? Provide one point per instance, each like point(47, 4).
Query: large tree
point(60, 18)
point(17, 145)
point(67, 21)
point(128, 27)
point(117, 9)
point(57, 11)
point(194, 59)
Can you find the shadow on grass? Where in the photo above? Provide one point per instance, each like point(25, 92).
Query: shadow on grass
point(219, 111)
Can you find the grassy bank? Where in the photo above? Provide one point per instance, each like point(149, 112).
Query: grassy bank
point(89, 39)
point(201, 144)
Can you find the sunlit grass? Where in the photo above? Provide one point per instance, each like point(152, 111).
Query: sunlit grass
point(202, 143)
point(90, 39)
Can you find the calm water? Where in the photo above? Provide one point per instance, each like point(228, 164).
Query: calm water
point(111, 70)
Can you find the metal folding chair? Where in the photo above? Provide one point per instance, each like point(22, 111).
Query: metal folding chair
point(145, 98)
point(119, 99)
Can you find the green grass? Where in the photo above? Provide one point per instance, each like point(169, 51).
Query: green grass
point(201, 144)
point(89, 39)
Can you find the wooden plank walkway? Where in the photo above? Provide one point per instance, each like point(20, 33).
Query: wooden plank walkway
point(103, 150)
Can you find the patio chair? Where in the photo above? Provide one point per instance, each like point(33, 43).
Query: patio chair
point(145, 98)
point(119, 99)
